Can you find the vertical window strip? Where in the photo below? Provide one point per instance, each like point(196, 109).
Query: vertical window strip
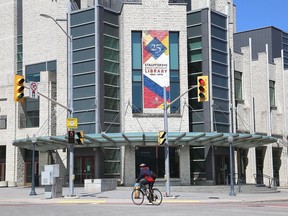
point(137, 94)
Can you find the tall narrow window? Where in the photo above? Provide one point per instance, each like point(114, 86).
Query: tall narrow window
point(238, 85)
point(174, 71)
point(137, 104)
point(272, 92)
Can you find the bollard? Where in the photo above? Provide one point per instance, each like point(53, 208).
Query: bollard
point(137, 192)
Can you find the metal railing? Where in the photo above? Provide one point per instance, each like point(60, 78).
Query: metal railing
point(272, 182)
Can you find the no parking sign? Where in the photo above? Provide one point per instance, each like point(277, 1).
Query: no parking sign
point(33, 90)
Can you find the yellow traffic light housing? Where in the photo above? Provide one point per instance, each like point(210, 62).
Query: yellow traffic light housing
point(80, 139)
point(161, 137)
point(19, 88)
point(203, 88)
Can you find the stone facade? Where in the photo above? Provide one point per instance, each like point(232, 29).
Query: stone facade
point(44, 41)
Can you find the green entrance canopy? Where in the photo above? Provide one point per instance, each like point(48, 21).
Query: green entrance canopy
point(47, 143)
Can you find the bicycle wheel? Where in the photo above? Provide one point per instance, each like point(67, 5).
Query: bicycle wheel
point(156, 197)
point(137, 196)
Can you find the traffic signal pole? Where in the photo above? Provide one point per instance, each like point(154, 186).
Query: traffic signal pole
point(166, 145)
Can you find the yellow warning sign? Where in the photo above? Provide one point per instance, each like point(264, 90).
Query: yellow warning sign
point(72, 123)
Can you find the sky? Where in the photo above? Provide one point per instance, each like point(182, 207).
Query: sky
point(252, 14)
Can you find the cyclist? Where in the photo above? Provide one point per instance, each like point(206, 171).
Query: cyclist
point(147, 175)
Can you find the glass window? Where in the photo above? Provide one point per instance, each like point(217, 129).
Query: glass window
point(219, 56)
point(111, 17)
point(219, 44)
point(111, 30)
point(195, 55)
point(88, 117)
point(272, 93)
point(219, 33)
point(136, 50)
point(110, 54)
point(82, 67)
point(84, 79)
point(193, 18)
point(111, 161)
point(83, 54)
point(219, 80)
point(82, 17)
point(195, 67)
point(174, 50)
point(219, 68)
point(218, 20)
point(87, 91)
point(83, 30)
point(112, 67)
point(111, 104)
point(83, 42)
point(84, 104)
point(32, 113)
point(111, 42)
point(220, 92)
point(111, 91)
point(238, 86)
point(195, 43)
point(112, 79)
point(137, 94)
point(3, 121)
point(194, 31)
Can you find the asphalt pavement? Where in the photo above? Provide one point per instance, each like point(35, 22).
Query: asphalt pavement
point(21, 195)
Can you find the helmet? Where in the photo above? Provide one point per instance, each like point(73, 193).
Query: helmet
point(142, 165)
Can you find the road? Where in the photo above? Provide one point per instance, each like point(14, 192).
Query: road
point(165, 209)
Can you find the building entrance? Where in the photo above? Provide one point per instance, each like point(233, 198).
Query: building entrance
point(222, 168)
point(83, 169)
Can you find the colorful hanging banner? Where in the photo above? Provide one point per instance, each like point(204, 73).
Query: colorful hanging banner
point(156, 74)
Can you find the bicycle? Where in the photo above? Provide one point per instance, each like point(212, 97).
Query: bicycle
point(153, 195)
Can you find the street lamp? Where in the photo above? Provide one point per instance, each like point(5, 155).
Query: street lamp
point(232, 193)
point(70, 94)
point(34, 140)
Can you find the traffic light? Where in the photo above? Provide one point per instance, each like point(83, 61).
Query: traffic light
point(202, 91)
point(71, 136)
point(80, 139)
point(19, 88)
point(161, 137)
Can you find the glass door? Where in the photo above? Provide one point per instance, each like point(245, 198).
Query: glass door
point(222, 169)
point(83, 169)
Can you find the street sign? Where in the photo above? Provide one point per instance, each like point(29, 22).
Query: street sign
point(33, 90)
point(72, 123)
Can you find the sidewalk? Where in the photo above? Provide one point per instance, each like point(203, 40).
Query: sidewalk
point(21, 195)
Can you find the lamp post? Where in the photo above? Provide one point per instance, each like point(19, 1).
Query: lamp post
point(69, 94)
point(34, 140)
point(232, 192)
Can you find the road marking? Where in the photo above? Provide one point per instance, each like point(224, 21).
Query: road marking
point(81, 201)
point(181, 201)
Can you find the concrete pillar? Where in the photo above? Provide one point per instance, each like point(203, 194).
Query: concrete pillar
point(251, 166)
point(268, 164)
point(184, 166)
point(283, 171)
point(129, 166)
